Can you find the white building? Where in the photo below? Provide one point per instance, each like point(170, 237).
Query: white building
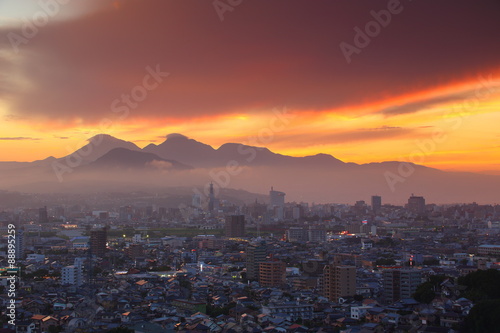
point(359, 312)
point(72, 275)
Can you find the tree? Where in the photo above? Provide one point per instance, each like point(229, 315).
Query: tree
point(481, 285)
point(425, 292)
point(483, 317)
point(431, 262)
point(385, 262)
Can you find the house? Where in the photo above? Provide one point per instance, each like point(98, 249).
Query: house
point(25, 327)
point(449, 319)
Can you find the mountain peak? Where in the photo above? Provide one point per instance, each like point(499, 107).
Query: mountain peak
point(103, 137)
point(176, 136)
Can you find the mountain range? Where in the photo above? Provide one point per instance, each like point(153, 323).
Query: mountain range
point(107, 163)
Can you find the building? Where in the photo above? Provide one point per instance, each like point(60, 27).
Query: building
point(316, 235)
point(134, 251)
point(189, 306)
point(400, 283)
point(235, 226)
point(272, 273)
point(366, 244)
point(255, 254)
point(72, 275)
point(360, 207)
point(277, 204)
point(416, 204)
point(487, 249)
point(211, 199)
point(20, 244)
point(98, 240)
point(339, 281)
point(296, 234)
point(43, 216)
point(196, 200)
point(312, 234)
point(376, 203)
point(295, 310)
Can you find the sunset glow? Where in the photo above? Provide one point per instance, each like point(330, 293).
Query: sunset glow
point(355, 114)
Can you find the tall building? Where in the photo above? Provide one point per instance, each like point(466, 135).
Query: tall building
point(20, 244)
point(235, 226)
point(400, 283)
point(98, 240)
point(72, 275)
point(360, 207)
point(211, 199)
point(277, 204)
point(43, 216)
point(376, 203)
point(339, 281)
point(276, 198)
point(255, 255)
point(272, 273)
point(416, 204)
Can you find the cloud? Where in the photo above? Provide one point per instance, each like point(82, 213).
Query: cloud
point(19, 138)
point(265, 53)
point(422, 104)
point(359, 135)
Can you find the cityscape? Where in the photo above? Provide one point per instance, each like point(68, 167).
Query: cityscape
point(244, 166)
point(213, 265)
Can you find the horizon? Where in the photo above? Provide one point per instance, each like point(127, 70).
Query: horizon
point(402, 91)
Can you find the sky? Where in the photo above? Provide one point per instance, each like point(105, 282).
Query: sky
point(364, 81)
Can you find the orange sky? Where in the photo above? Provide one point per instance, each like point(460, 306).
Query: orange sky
point(468, 138)
point(414, 93)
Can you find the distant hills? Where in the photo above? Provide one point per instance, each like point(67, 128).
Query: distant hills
point(106, 162)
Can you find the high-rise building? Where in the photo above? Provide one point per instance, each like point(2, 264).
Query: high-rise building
point(255, 254)
point(125, 213)
point(272, 273)
point(276, 198)
point(72, 275)
point(339, 281)
point(211, 199)
point(416, 204)
point(277, 204)
point(235, 226)
point(20, 244)
point(43, 216)
point(98, 240)
point(400, 283)
point(360, 207)
point(376, 203)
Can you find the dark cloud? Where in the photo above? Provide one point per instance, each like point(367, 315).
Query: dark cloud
point(264, 53)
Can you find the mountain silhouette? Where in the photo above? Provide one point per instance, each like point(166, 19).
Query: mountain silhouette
point(179, 161)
